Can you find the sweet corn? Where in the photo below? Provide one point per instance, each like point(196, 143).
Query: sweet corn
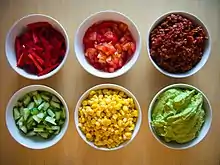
point(107, 117)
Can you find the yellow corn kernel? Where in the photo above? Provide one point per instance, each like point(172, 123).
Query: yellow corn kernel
point(105, 91)
point(115, 116)
point(122, 112)
point(120, 122)
point(128, 135)
point(84, 103)
point(125, 108)
point(118, 106)
point(121, 94)
point(117, 132)
point(106, 122)
point(98, 113)
point(135, 113)
point(92, 93)
point(110, 141)
point(100, 96)
point(94, 106)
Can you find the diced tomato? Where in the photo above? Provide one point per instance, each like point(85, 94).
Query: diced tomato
point(108, 45)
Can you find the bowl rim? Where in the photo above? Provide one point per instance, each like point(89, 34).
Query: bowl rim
point(109, 86)
point(209, 45)
point(50, 90)
point(51, 73)
point(133, 60)
point(152, 103)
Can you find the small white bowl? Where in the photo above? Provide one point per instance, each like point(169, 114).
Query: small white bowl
point(97, 17)
point(33, 142)
point(207, 49)
point(108, 86)
point(17, 29)
point(205, 128)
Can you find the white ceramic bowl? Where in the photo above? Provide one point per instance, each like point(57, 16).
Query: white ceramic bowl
point(17, 29)
point(97, 17)
point(205, 128)
point(206, 52)
point(33, 142)
point(109, 86)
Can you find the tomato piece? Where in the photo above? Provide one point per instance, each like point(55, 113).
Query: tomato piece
point(107, 48)
point(111, 37)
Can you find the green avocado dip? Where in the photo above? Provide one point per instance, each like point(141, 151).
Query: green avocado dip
point(178, 115)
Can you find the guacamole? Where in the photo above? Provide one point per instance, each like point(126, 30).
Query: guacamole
point(178, 115)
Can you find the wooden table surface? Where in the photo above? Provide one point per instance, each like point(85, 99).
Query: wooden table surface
point(143, 80)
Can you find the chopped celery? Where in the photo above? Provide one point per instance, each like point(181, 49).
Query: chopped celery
point(20, 122)
point(34, 93)
point(50, 112)
point(30, 120)
point(57, 132)
point(31, 105)
point(55, 104)
point(50, 120)
point(41, 106)
point(40, 126)
point(27, 100)
point(39, 99)
point(26, 113)
point(16, 113)
point(58, 114)
point(61, 122)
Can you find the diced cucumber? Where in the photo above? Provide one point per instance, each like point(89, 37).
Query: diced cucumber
point(41, 106)
point(24, 129)
point(34, 93)
point(26, 113)
point(55, 104)
point(50, 112)
point(39, 130)
point(39, 99)
point(46, 106)
point(37, 119)
point(58, 114)
point(20, 122)
point(61, 122)
point(16, 113)
point(45, 97)
point(34, 111)
point(63, 114)
point(31, 133)
point(44, 134)
point(50, 120)
point(31, 105)
point(55, 127)
point(57, 132)
point(26, 100)
point(30, 120)
point(55, 99)
point(40, 115)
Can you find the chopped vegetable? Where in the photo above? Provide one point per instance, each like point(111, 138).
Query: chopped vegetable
point(40, 49)
point(39, 113)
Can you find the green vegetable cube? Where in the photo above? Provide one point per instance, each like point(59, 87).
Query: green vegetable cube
point(16, 113)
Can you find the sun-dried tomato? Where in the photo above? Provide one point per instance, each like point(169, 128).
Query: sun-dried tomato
point(177, 44)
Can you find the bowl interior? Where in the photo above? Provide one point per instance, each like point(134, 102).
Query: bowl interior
point(110, 86)
point(206, 52)
point(203, 131)
point(97, 17)
point(17, 29)
point(33, 142)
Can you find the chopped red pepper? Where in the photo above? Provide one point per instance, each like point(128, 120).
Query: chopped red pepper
point(40, 49)
point(48, 70)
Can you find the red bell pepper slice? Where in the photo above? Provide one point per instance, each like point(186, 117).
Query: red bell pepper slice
point(38, 58)
point(35, 63)
point(47, 70)
point(20, 62)
point(17, 47)
point(38, 25)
